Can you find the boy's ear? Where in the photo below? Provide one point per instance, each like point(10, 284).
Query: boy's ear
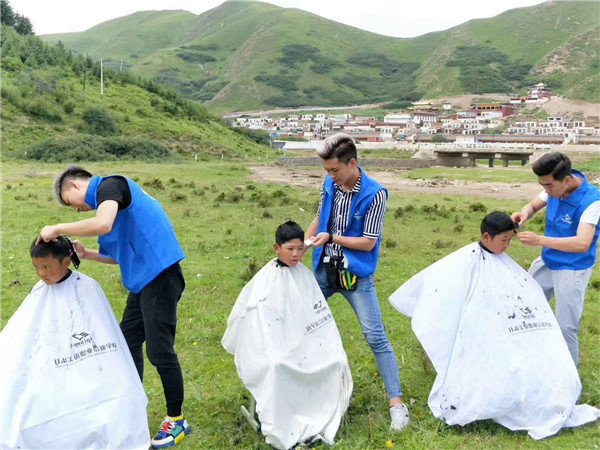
point(276, 247)
point(486, 236)
point(66, 262)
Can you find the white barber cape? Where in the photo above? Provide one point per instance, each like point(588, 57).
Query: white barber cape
point(289, 355)
point(70, 381)
point(495, 345)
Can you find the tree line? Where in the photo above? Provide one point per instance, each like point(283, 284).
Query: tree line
point(20, 23)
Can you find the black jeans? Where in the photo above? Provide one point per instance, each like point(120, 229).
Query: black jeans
point(151, 316)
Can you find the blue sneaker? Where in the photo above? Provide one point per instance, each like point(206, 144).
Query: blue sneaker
point(172, 431)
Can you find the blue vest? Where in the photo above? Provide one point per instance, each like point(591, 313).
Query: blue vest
point(360, 262)
point(562, 220)
point(142, 240)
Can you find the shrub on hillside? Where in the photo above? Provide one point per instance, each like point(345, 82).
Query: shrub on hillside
point(283, 82)
point(379, 60)
point(41, 108)
point(258, 136)
point(476, 55)
point(196, 58)
point(482, 79)
point(85, 147)
point(285, 101)
point(99, 121)
point(296, 53)
point(11, 64)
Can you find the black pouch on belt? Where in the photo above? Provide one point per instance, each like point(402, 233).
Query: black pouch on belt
point(337, 276)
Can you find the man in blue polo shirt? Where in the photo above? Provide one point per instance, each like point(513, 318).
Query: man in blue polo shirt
point(569, 242)
point(134, 231)
point(346, 234)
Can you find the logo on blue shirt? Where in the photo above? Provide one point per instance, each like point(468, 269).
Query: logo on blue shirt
point(567, 219)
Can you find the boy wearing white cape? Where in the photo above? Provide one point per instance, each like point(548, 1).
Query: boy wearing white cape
point(70, 382)
point(288, 350)
point(494, 342)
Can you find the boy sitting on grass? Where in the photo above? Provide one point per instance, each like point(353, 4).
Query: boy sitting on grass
point(70, 368)
point(288, 350)
point(487, 328)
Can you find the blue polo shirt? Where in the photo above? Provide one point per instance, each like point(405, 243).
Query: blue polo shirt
point(142, 240)
point(360, 262)
point(562, 220)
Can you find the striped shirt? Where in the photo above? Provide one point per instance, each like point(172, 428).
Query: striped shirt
point(341, 211)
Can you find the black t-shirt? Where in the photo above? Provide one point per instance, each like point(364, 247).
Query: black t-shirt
point(114, 188)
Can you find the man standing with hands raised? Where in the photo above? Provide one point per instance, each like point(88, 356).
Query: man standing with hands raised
point(346, 234)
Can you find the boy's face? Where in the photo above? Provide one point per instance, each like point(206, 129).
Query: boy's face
point(290, 252)
point(499, 243)
point(51, 270)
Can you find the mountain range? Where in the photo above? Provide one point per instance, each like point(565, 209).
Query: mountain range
point(246, 55)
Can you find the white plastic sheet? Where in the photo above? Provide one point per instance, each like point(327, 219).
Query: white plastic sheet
point(68, 379)
point(289, 355)
point(495, 345)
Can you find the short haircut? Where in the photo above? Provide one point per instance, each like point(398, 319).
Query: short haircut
point(556, 164)
point(340, 146)
point(288, 231)
point(497, 222)
point(70, 173)
point(59, 249)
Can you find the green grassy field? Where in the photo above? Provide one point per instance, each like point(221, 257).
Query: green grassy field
point(225, 223)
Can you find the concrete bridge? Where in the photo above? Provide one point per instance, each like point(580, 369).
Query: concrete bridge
point(469, 157)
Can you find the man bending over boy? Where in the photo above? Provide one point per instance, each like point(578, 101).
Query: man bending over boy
point(134, 231)
point(569, 242)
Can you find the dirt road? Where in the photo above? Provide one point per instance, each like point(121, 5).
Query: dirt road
point(308, 177)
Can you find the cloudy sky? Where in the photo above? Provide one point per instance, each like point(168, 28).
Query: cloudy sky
point(399, 18)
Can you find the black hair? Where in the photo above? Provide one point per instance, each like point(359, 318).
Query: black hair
point(556, 164)
point(497, 222)
point(340, 146)
point(70, 173)
point(59, 249)
point(288, 231)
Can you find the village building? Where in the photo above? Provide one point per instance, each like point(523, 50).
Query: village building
point(505, 109)
point(539, 92)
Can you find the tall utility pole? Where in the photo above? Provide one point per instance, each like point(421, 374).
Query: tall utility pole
point(101, 78)
point(84, 72)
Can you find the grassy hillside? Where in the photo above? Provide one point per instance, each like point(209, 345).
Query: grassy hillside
point(52, 109)
point(247, 55)
point(556, 42)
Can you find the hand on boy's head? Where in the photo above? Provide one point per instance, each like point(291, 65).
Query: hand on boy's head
point(519, 218)
point(48, 233)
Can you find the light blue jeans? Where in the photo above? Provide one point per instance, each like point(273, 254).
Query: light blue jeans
point(365, 304)
point(568, 286)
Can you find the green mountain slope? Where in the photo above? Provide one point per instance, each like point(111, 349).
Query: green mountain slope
point(247, 55)
point(53, 109)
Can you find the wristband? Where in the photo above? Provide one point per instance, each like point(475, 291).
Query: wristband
point(330, 241)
